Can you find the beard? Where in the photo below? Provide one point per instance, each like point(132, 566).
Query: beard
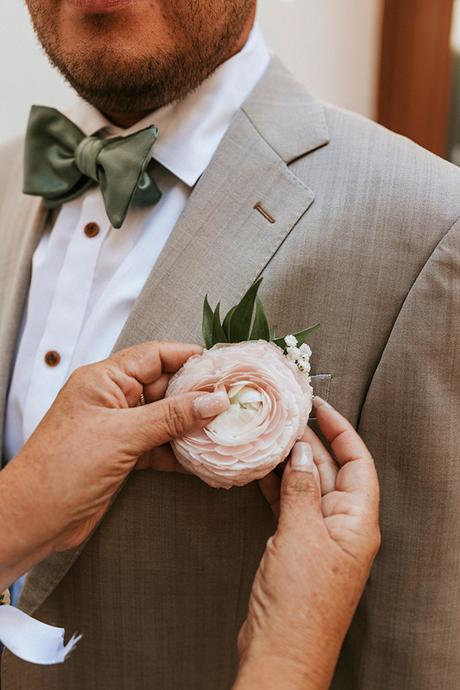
point(135, 75)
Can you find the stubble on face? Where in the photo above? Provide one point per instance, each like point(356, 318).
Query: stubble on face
point(143, 58)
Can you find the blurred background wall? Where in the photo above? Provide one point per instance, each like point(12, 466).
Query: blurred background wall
point(417, 83)
point(332, 46)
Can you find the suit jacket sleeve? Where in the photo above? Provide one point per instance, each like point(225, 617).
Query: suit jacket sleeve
point(407, 631)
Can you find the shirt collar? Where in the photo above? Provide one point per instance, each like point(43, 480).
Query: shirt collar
point(190, 130)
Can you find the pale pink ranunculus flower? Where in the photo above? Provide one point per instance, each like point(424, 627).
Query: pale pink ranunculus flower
point(270, 404)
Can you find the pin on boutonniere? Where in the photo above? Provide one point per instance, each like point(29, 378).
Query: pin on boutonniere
point(268, 384)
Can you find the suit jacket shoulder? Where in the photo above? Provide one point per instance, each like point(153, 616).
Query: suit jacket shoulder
point(404, 186)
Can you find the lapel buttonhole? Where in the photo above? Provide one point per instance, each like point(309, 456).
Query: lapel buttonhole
point(263, 211)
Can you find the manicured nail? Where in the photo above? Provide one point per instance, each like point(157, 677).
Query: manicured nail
point(319, 402)
point(302, 458)
point(211, 404)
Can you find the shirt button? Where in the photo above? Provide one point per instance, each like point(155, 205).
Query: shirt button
point(91, 229)
point(52, 358)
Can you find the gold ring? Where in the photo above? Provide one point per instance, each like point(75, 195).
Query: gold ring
point(5, 598)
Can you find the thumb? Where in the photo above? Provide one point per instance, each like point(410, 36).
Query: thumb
point(157, 423)
point(300, 499)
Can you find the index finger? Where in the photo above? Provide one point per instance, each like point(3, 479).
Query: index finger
point(357, 473)
point(341, 435)
point(147, 361)
point(270, 487)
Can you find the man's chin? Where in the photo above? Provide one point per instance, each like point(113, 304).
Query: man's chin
point(113, 82)
point(109, 86)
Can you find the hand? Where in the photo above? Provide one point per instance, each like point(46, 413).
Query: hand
point(63, 480)
point(314, 569)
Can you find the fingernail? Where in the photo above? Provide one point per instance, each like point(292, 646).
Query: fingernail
point(302, 458)
point(211, 404)
point(319, 402)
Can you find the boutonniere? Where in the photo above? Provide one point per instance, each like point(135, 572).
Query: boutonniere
point(268, 384)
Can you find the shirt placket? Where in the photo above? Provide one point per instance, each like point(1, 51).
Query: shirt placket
point(65, 319)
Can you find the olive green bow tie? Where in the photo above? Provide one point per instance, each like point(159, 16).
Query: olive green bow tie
point(61, 162)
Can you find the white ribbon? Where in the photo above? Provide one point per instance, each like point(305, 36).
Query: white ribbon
point(32, 640)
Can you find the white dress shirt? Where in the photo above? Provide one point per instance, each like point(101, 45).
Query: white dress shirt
point(85, 279)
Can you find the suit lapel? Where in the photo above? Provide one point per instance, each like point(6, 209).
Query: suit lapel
point(22, 220)
point(221, 242)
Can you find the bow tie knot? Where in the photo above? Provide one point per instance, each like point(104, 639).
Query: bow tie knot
point(86, 155)
point(61, 162)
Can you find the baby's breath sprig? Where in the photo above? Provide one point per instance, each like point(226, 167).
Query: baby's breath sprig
point(298, 355)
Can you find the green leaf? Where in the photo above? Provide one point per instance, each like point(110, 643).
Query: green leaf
point(218, 335)
point(260, 328)
point(241, 318)
point(227, 321)
point(302, 336)
point(207, 323)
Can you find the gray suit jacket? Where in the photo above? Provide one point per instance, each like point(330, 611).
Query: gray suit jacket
point(366, 241)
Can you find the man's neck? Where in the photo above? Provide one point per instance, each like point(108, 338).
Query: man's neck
point(126, 120)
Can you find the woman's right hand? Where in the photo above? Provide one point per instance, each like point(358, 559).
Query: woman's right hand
point(55, 491)
point(315, 567)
